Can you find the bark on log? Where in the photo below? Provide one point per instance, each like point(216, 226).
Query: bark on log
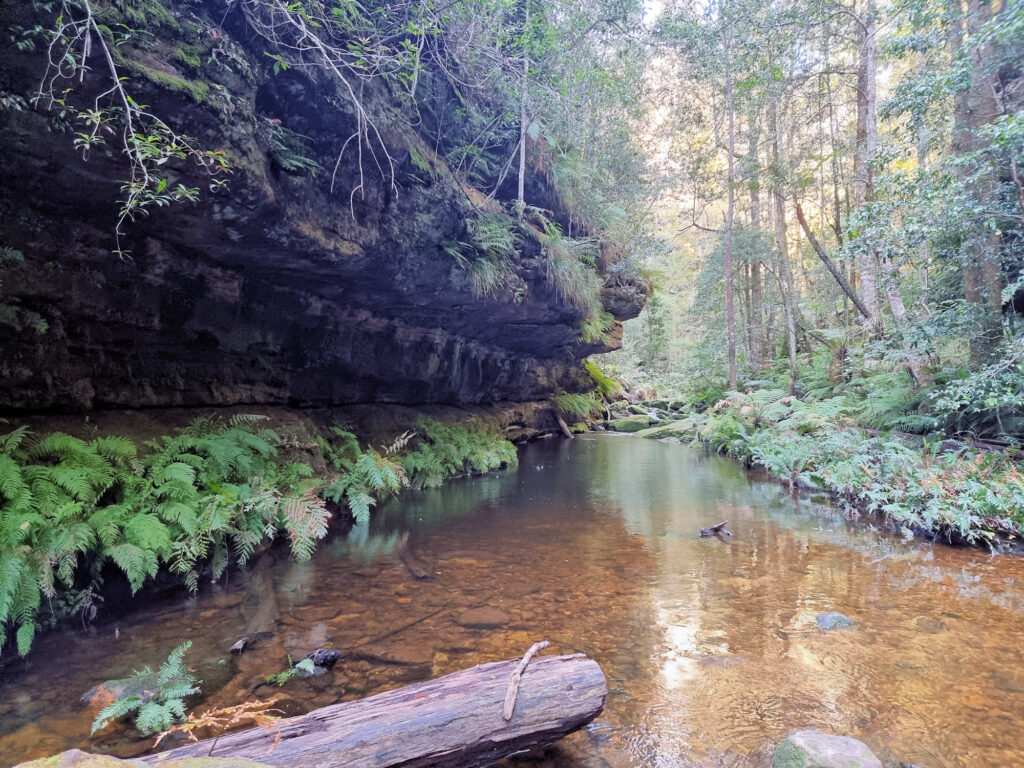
point(454, 721)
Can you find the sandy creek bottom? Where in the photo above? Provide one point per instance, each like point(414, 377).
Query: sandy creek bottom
point(711, 648)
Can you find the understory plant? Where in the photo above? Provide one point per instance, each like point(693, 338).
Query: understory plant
point(195, 501)
point(963, 494)
point(156, 699)
point(362, 476)
point(441, 451)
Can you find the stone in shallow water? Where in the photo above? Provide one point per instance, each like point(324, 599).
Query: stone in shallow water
point(814, 749)
point(483, 618)
point(834, 620)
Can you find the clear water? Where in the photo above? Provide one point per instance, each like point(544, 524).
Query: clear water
point(710, 647)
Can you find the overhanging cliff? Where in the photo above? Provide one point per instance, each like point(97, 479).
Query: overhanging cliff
point(274, 289)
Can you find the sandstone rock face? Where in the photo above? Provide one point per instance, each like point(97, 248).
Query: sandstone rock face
point(814, 749)
point(277, 289)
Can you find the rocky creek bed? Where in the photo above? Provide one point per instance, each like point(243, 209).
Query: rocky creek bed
point(712, 649)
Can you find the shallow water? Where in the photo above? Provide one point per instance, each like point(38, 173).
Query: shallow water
point(710, 647)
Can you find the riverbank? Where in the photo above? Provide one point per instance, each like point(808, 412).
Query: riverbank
point(920, 486)
point(95, 509)
point(711, 647)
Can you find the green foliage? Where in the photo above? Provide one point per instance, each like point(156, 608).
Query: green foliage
point(607, 387)
point(290, 150)
point(489, 255)
point(962, 494)
point(159, 702)
point(213, 491)
point(442, 451)
point(363, 476)
point(575, 406)
point(304, 667)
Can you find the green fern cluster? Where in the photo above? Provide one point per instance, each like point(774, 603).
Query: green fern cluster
point(161, 702)
point(443, 451)
point(576, 407)
point(607, 387)
point(489, 255)
point(816, 444)
point(197, 499)
point(363, 476)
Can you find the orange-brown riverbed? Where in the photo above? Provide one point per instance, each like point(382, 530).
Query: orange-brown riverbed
point(710, 647)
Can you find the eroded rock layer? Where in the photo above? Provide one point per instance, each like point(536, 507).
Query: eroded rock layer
point(275, 289)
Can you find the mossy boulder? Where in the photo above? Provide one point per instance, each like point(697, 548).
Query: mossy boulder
point(683, 429)
point(75, 758)
point(814, 749)
point(633, 423)
point(638, 409)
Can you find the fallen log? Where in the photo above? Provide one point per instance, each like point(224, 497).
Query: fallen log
point(455, 721)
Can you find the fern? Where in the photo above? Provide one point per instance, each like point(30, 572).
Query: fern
point(444, 450)
point(575, 406)
point(162, 704)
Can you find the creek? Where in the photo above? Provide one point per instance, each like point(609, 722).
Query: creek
point(710, 646)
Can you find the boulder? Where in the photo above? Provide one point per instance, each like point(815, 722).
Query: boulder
point(814, 749)
point(834, 620)
point(633, 423)
point(682, 429)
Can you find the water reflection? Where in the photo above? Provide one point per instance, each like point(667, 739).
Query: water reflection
point(710, 647)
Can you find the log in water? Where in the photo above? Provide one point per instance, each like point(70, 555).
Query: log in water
point(453, 721)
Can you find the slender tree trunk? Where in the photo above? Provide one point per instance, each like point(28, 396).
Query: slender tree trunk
point(867, 142)
point(829, 264)
point(755, 333)
point(730, 318)
point(523, 125)
point(784, 272)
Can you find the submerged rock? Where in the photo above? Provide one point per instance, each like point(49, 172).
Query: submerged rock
point(814, 749)
point(834, 620)
point(482, 618)
point(142, 685)
point(631, 423)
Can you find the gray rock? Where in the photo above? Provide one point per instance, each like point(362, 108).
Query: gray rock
point(834, 620)
point(814, 749)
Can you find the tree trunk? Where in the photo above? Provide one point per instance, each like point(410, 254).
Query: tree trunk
point(867, 141)
point(730, 313)
point(454, 721)
point(827, 261)
point(523, 126)
point(784, 273)
point(755, 334)
point(979, 250)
